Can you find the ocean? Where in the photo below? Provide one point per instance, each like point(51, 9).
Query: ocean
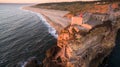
point(23, 34)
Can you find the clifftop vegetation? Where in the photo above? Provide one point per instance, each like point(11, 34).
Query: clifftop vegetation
point(78, 6)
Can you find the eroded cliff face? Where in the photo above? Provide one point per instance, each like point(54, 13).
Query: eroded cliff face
point(79, 47)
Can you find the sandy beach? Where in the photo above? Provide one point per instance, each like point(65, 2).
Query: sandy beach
point(54, 17)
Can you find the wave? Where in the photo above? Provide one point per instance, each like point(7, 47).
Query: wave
point(51, 30)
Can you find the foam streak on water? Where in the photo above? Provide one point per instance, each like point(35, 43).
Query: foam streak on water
point(51, 30)
point(23, 34)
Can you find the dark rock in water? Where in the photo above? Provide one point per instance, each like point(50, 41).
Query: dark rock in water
point(32, 62)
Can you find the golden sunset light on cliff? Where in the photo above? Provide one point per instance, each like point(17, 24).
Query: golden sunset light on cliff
point(37, 1)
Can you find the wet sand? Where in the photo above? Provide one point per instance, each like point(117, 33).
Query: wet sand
point(54, 17)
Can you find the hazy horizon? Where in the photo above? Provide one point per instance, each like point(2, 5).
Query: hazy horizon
point(38, 1)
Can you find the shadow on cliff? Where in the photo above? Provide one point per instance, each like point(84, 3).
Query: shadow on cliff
point(113, 60)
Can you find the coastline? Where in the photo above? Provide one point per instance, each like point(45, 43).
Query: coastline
point(54, 17)
point(71, 44)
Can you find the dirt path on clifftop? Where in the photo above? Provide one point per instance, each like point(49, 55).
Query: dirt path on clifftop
point(54, 17)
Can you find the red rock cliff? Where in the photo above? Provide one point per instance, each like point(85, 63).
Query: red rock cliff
point(79, 47)
point(82, 48)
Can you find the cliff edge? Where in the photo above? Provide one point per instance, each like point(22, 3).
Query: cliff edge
point(84, 44)
point(78, 46)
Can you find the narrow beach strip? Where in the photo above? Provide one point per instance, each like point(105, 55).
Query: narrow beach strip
point(54, 17)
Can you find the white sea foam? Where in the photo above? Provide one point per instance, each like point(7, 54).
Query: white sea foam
point(51, 30)
point(31, 58)
point(23, 65)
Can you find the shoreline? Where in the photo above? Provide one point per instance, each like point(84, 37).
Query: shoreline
point(53, 17)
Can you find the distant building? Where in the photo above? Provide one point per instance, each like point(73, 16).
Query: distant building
point(101, 16)
point(78, 20)
point(94, 19)
point(89, 20)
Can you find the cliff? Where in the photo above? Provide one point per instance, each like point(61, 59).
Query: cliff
point(78, 7)
point(78, 46)
point(83, 48)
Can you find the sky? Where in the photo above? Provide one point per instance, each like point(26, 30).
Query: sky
point(37, 1)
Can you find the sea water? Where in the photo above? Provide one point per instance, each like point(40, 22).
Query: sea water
point(23, 34)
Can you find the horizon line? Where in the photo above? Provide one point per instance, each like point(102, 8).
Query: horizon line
point(42, 2)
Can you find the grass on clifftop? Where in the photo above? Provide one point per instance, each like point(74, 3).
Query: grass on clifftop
point(78, 7)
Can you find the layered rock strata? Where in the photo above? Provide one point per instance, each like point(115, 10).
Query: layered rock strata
point(81, 47)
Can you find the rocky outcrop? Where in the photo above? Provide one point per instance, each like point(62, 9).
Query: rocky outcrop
point(82, 48)
point(79, 47)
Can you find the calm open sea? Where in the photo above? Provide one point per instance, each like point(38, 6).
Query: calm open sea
point(23, 34)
